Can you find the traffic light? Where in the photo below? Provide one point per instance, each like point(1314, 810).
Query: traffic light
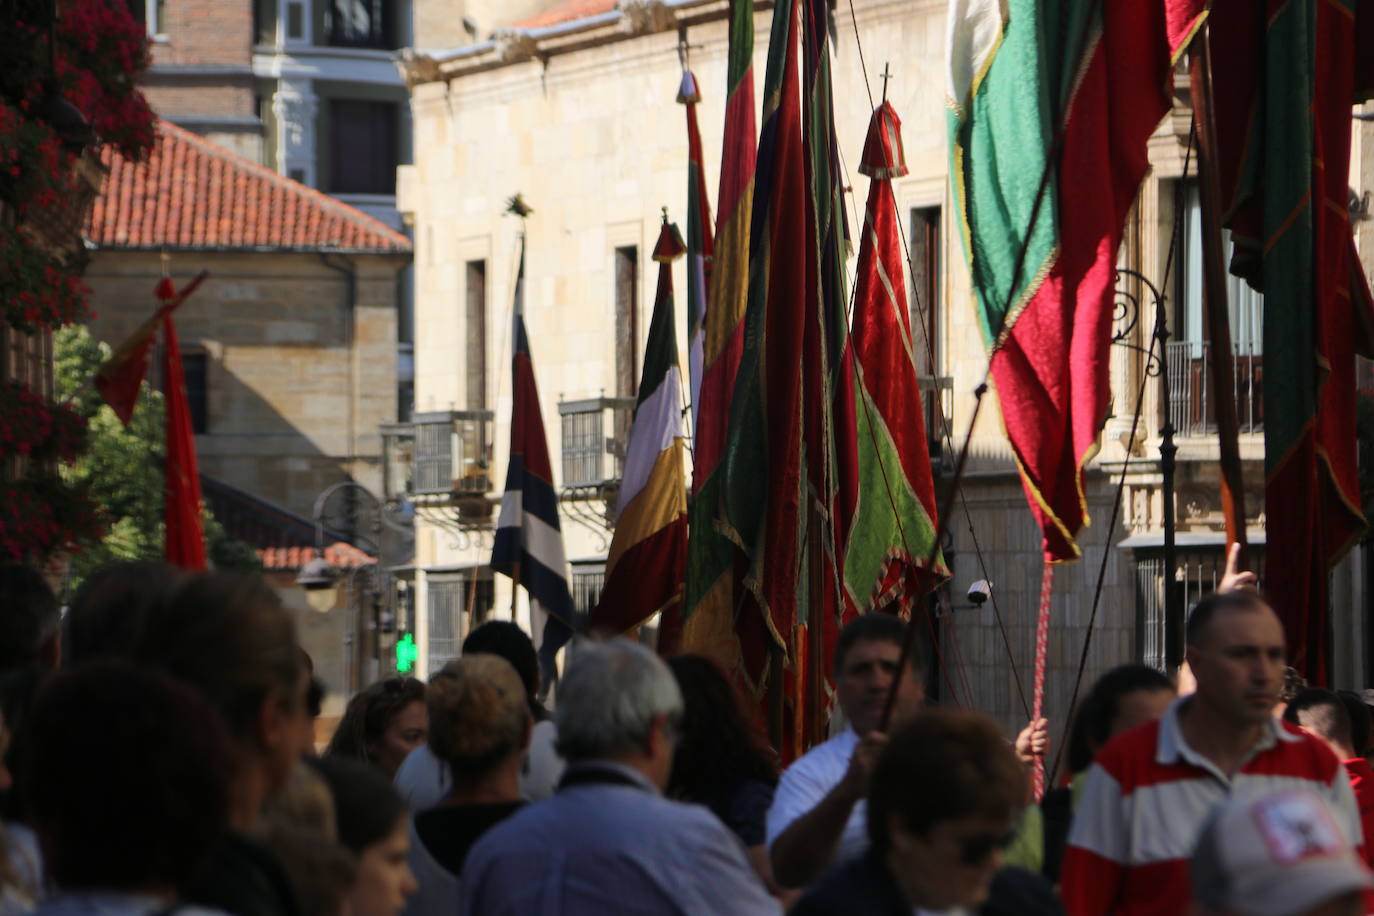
point(406, 654)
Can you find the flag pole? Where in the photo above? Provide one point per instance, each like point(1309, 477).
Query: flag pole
point(1214, 294)
point(815, 636)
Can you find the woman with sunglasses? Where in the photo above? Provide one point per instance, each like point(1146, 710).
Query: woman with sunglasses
point(383, 724)
point(942, 806)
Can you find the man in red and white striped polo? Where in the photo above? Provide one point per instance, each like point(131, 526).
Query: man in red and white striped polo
point(1151, 789)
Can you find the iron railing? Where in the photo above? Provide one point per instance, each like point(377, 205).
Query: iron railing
point(1196, 573)
point(451, 454)
point(591, 458)
point(1190, 398)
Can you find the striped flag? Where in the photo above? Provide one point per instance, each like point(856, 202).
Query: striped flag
point(894, 523)
point(713, 562)
point(529, 540)
point(1285, 77)
point(1050, 113)
point(699, 242)
point(649, 548)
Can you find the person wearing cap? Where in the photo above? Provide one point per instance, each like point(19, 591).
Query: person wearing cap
point(1276, 854)
point(1152, 788)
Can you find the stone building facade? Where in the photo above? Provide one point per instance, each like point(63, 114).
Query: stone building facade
point(289, 345)
point(577, 114)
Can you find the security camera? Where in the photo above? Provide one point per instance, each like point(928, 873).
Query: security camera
point(979, 591)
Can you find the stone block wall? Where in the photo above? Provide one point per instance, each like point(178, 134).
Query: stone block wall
point(291, 406)
point(984, 667)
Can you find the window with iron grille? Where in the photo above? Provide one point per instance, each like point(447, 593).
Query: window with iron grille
point(458, 602)
point(434, 455)
point(445, 624)
point(587, 579)
point(583, 443)
point(1196, 574)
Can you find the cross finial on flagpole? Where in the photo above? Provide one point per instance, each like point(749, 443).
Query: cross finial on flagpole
point(886, 75)
point(665, 216)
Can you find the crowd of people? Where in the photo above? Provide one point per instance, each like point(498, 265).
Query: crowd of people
point(158, 757)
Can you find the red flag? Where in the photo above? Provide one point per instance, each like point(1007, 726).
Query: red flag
point(1285, 77)
point(121, 376)
point(185, 536)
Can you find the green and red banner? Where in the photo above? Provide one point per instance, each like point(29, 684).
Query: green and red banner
point(1052, 107)
point(762, 479)
point(714, 565)
point(894, 521)
point(1285, 75)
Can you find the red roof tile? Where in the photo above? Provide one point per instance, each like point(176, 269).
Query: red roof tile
point(190, 193)
point(339, 555)
point(567, 12)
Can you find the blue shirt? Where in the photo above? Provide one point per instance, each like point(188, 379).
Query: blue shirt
point(612, 845)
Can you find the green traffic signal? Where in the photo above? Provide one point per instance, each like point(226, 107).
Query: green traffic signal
point(406, 654)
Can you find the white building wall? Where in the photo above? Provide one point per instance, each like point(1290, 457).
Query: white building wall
point(596, 144)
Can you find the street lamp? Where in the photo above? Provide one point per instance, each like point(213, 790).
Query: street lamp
point(319, 578)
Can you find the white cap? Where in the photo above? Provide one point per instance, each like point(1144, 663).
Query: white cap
point(1274, 854)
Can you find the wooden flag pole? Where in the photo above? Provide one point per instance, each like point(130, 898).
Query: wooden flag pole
point(1214, 295)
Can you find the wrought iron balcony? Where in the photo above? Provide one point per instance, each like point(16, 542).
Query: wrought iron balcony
point(595, 432)
point(439, 462)
point(1190, 399)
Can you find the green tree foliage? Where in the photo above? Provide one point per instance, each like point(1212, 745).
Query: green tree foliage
point(124, 467)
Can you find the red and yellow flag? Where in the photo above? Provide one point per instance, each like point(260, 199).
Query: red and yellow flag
point(714, 565)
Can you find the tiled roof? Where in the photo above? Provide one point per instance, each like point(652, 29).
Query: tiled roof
point(340, 556)
point(190, 193)
point(567, 12)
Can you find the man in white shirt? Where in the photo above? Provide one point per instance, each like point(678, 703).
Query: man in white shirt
point(817, 817)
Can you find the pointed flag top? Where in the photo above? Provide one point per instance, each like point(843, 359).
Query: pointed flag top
point(670, 245)
point(688, 93)
point(883, 157)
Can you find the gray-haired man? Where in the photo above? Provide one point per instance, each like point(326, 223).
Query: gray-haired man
point(608, 841)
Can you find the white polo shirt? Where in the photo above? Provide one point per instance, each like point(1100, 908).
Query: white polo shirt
point(809, 779)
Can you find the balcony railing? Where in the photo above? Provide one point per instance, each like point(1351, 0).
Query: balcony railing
point(937, 404)
point(591, 458)
point(451, 453)
point(1190, 399)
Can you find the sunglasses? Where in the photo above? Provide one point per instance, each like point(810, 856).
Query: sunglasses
point(975, 849)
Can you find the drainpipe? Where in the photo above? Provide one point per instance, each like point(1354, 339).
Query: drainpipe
point(345, 267)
